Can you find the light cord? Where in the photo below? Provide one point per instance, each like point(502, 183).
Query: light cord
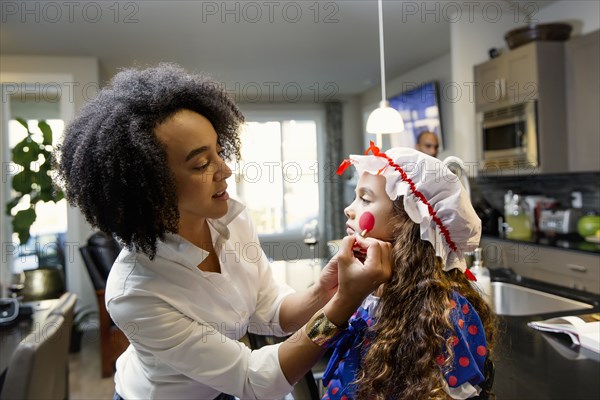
point(381, 50)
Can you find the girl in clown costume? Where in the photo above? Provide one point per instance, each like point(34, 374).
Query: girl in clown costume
point(427, 333)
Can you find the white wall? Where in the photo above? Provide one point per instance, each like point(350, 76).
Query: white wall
point(352, 125)
point(78, 79)
point(470, 41)
point(583, 15)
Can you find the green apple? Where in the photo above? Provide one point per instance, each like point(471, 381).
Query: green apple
point(588, 225)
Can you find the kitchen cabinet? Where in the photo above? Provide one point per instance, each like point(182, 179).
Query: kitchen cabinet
point(534, 71)
point(531, 75)
point(582, 74)
point(572, 269)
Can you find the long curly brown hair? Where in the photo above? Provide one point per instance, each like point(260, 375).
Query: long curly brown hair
point(412, 319)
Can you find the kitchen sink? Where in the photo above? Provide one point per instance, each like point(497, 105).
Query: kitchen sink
point(515, 300)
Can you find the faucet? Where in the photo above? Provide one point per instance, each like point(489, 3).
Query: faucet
point(455, 164)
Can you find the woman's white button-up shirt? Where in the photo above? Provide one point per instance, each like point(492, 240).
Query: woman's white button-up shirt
point(184, 323)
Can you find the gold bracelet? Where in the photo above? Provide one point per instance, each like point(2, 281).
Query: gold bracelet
point(322, 331)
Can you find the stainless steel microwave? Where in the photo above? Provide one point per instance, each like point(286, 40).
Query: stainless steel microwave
point(510, 136)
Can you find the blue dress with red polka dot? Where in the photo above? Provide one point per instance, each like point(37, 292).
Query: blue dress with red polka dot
point(469, 345)
point(468, 340)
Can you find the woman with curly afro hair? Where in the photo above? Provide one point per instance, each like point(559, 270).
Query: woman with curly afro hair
point(427, 333)
point(144, 161)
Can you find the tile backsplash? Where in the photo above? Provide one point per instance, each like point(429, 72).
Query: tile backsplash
point(557, 186)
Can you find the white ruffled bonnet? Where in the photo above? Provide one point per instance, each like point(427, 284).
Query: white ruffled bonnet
point(434, 198)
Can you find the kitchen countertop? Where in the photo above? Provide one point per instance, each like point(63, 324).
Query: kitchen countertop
point(534, 365)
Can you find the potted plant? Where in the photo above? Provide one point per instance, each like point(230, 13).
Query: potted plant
point(33, 183)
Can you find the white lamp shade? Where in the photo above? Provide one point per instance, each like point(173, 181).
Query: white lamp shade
point(385, 119)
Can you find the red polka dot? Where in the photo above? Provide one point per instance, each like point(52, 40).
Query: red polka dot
point(463, 361)
point(440, 359)
point(344, 397)
point(473, 330)
point(452, 381)
point(461, 323)
point(453, 340)
point(452, 304)
point(481, 350)
point(369, 322)
point(335, 390)
point(465, 309)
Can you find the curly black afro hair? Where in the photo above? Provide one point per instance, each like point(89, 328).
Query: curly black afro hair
point(110, 163)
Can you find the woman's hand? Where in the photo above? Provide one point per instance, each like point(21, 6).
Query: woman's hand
point(358, 279)
point(328, 280)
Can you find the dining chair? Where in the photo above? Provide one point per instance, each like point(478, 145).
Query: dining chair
point(38, 366)
point(65, 306)
point(98, 255)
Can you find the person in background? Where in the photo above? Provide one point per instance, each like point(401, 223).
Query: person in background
point(145, 161)
point(427, 333)
point(427, 142)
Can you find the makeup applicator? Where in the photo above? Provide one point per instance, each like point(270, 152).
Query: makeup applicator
point(366, 223)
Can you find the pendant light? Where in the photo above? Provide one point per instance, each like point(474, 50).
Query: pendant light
point(384, 119)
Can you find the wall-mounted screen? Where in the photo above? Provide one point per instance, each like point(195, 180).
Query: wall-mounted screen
point(420, 110)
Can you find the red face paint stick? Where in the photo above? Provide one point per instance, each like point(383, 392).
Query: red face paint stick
point(366, 223)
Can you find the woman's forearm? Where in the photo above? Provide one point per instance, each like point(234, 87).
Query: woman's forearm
point(297, 308)
point(299, 353)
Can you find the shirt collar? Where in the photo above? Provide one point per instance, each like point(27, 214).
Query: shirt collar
point(180, 250)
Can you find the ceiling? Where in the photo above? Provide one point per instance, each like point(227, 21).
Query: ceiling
point(277, 47)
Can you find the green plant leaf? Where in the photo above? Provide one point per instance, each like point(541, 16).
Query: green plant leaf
point(21, 223)
point(46, 194)
point(43, 179)
point(23, 122)
point(46, 131)
point(25, 152)
point(58, 195)
point(23, 181)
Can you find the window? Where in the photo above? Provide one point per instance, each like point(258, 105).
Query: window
point(277, 177)
point(46, 245)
